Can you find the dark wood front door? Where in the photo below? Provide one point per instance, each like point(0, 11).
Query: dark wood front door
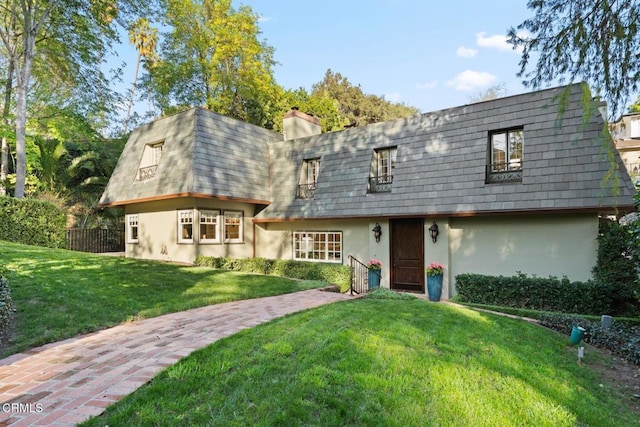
point(407, 254)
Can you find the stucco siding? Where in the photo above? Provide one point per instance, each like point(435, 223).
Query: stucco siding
point(542, 245)
point(275, 240)
point(158, 231)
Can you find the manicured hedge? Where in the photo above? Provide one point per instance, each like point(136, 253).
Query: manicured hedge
point(537, 293)
point(336, 274)
point(6, 308)
point(32, 222)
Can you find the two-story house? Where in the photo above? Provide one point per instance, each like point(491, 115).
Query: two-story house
point(494, 187)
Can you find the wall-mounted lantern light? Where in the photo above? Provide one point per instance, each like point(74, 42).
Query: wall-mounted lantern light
point(377, 232)
point(433, 231)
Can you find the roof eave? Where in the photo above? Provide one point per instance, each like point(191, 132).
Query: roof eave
point(183, 195)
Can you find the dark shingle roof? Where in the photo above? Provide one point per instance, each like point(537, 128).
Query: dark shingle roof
point(204, 154)
point(441, 163)
point(440, 168)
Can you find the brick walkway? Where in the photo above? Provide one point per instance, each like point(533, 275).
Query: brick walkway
point(63, 383)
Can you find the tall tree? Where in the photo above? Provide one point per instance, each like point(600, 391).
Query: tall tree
point(493, 92)
point(69, 34)
point(145, 39)
point(213, 57)
point(594, 41)
point(358, 108)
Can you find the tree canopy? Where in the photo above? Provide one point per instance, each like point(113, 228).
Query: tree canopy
point(212, 56)
point(576, 40)
point(358, 108)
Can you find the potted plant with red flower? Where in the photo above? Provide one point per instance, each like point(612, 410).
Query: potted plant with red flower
point(375, 273)
point(434, 280)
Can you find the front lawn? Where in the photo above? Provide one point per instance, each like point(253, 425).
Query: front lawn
point(379, 362)
point(60, 294)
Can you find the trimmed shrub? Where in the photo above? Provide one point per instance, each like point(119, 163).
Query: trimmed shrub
point(6, 308)
point(32, 222)
point(615, 268)
point(337, 274)
point(537, 293)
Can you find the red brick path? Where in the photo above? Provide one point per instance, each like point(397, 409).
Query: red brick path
point(64, 383)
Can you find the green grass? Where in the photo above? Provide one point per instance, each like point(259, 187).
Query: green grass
point(60, 294)
point(379, 362)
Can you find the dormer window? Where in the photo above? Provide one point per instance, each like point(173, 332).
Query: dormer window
point(308, 179)
point(505, 156)
point(150, 160)
point(382, 168)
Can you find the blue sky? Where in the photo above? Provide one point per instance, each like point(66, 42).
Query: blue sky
point(428, 54)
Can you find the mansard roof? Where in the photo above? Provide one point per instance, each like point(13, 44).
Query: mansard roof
point(442, 162)
point(440, 167)
point(204, 155)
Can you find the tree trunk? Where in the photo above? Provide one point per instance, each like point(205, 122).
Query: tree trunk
point(32, 22)
point(4, 149)
point(4, 169)
point(133, 92)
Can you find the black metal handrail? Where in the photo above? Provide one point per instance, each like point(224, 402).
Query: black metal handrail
point(305, 191)
point(504, 172)
point(145, 174)
point(360, 276)
point(380, 184)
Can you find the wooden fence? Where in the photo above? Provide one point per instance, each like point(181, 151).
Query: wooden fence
point(95, 240)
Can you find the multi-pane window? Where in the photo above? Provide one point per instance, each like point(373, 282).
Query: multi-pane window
point(383, 165)
point(317, 246)
point(386, 164)
point(209, 226)
point(506, 155)
point(132, 228)
point(233, 227)
point(185, 226)
point(308, 178)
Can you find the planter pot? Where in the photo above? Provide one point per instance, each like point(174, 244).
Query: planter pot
point(374, 278)
point(434, 287)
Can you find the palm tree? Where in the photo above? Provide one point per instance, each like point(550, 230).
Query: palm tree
point(144, 38)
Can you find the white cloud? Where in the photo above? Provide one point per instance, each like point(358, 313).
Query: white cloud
point(470, 80)
point(264, 18)
point(497, 41)
point(427, 85)
point(466, 52)
point(392, 97)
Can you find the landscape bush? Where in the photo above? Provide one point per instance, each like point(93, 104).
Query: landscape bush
point(536, 293)
point(6, 308)
point(337, 274)
point(616, 268)
point(621, 338)
point(32, 222)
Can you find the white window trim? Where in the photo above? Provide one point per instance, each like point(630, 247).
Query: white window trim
point(234, 214)
point(213, 212)
point(133, 220)
point(326, 251)
point(187, 212)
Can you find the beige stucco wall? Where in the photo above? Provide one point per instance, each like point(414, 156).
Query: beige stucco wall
point(158, 231)
point(535, 244)
point(275, 240)
point(438, 252)
point(543, 245)
point(631, 158)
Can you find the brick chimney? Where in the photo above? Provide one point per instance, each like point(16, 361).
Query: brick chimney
point(297, 124)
